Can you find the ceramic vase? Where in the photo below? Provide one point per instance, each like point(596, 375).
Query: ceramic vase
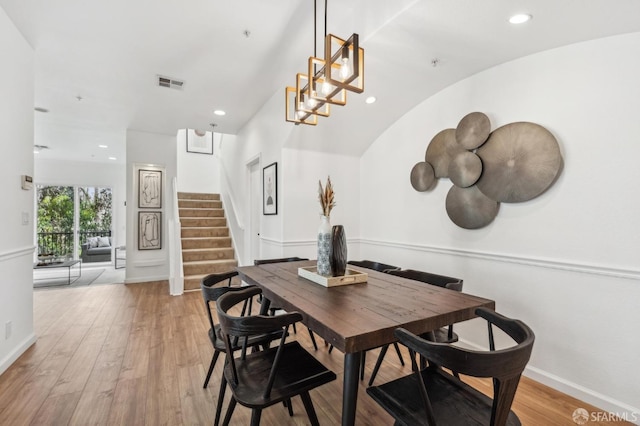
point(324, 246)
point(338, 255)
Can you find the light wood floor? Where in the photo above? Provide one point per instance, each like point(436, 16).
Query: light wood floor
point(133, 355)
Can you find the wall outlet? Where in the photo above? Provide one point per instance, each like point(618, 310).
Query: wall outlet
point(7, 330)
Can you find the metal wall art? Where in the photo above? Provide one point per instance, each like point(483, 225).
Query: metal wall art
point(514, 163)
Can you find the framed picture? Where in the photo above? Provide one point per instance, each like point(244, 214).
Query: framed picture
point(199, 142)
point(149, 230)
point(270, 189)
point(149, 189)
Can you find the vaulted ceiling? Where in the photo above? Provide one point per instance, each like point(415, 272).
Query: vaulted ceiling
point(97, 62)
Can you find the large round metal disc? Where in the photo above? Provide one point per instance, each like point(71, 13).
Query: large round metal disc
point(520, 161)
point(469, 208)
point(465, 169)
point(422, 176)
point(473, 130)
point(442, 148)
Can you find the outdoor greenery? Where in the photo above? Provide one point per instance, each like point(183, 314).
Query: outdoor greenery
point(55, 223)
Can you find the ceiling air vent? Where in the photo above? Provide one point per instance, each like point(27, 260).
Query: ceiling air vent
point(170, 83)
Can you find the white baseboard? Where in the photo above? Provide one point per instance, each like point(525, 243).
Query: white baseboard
point(146, 279)
point(18, 350)
point(589, 396)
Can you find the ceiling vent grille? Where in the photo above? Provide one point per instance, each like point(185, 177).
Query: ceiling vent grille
point(170, 83)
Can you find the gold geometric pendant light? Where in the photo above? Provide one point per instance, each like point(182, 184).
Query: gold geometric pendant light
point(327, 80)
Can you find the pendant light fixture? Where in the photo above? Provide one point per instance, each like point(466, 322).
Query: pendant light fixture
point(327, 79)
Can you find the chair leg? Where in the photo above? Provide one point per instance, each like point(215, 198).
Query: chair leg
point(395, 345)
point(287, 403)
point(383, 352)
point(223, 388)
point(255, 416)
point(330, 348)
point(308, 405)
point(227, 417)
point(294, 329)
point(313, 339)
point(216, 354)
point(363, 357)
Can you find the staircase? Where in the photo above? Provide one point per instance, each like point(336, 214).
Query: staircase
point(206, 244)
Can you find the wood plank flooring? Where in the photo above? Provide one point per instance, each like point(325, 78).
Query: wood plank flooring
point(133, 355)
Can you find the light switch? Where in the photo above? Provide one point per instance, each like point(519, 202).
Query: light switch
point(25, 218)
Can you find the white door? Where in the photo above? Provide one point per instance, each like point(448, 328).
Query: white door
point(255, 197)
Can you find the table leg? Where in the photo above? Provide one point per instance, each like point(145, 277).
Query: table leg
point(350, 388)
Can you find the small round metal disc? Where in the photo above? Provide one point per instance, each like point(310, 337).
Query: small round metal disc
point(442, 148)
point(473, 130)
point(465, 169)
point(422, 176)
point(520, 161)
point(469, 208)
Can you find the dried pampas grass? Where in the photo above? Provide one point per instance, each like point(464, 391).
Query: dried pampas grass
point(326, 197)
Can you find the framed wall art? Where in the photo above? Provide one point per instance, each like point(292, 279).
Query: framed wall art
point(270, 189)
point(149, 189)
point(149, 230)
point(199, 142)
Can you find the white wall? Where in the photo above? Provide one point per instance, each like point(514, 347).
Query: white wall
point(293, 231)
point(16, 159)
point(566, 262)
point(260, 140)
point(60, 172)
point(154, 152)
point(198, 172)
point(301, 171)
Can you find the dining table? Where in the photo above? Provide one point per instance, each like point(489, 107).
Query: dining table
point(357, 317)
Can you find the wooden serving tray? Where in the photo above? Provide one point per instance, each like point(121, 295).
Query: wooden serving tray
point(350, 276)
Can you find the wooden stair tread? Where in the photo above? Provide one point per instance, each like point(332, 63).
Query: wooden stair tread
point(212, 252)
point(208, 262)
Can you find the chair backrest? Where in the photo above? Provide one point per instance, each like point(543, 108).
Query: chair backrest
point(376, 266)
point(241, 328)
point(211, 291)
point(429, 278)
point(282, 259)
point(505, 365)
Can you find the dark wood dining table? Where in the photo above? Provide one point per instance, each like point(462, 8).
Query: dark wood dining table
point(358, 317)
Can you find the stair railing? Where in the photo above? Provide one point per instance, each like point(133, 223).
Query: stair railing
point(176, 272)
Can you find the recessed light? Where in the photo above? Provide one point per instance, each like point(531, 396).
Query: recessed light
point(219, 112)
point(112, 158)
point(520, 18)
point(103, 146)
point(370, 99)
point(35, 151)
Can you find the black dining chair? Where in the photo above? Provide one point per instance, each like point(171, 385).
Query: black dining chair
point(441, 335)
point(273, 309)
point(212, 287)
point(376, 266)
point(261, 379)
point(432, 396)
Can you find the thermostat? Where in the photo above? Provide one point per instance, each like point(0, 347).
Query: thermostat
point(27, 182)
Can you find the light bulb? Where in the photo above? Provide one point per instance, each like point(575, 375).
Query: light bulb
point(311, 103)
point(344, 68)
point(327, 88)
